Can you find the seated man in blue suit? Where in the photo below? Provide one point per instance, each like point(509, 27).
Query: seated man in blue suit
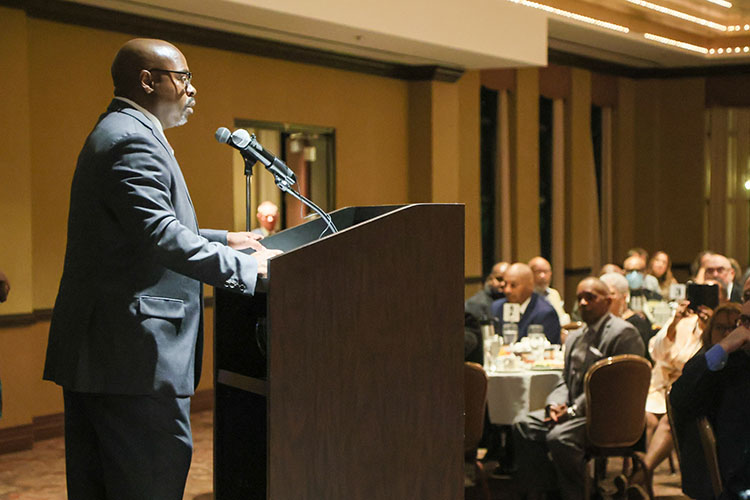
point(519, 289)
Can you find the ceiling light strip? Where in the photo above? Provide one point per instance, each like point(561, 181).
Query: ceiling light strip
point(675, 43)
point(678, 14)
point(573, 15)
point(723, 3)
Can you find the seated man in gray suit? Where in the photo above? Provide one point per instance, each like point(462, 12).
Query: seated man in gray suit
point(549, 443)
point(126, 338)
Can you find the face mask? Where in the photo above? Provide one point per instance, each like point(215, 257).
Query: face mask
point(635, 280)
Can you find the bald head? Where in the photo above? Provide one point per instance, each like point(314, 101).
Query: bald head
point(136, 55)
point(594, 299)
point(542, 273)
point(496, 279)
point(519, 283)
point(154, 74)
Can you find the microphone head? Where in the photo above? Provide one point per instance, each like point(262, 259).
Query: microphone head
point(222, 135)
point(241, 138)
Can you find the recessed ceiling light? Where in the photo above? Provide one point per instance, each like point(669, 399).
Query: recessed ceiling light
point(680, 15)
point(720, 51)
point(676, 43)
point(573, 15)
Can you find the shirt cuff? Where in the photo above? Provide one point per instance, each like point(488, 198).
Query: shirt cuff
point(716, 358)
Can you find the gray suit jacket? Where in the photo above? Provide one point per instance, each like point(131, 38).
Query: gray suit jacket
point(617, 337)
point(128, 316)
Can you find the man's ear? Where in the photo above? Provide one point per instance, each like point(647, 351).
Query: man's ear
point(146, 81)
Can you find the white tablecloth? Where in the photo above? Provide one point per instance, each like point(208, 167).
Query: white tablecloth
point(512, 394)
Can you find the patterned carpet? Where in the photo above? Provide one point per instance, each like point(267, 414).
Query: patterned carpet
point(39, 474)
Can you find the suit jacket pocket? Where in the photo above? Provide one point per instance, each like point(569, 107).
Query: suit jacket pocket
point(161, 307)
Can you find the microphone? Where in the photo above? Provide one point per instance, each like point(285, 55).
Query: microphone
point(249, 147)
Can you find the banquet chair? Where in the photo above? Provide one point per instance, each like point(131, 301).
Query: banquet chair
point(475, 402)
point(708, 440)
point(616, 388)
point(695, 445)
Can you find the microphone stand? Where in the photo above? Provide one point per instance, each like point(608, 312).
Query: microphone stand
point(285, 186)
point(248, 185)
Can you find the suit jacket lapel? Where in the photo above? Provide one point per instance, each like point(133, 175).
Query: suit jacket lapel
point(120, 106)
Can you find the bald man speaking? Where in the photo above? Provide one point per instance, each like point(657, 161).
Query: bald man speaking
point(126, 338)
point(519, 289)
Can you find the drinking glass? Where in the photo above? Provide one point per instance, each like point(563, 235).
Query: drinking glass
point(510, 333)
point(536, 342)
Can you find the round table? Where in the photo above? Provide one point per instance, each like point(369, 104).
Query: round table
point(513, 394)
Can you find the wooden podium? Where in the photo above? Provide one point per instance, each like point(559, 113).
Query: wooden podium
point(342, 378)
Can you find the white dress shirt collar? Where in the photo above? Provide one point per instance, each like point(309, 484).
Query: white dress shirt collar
point(153, 119)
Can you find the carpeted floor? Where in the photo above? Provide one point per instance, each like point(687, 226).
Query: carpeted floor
point(39, 474)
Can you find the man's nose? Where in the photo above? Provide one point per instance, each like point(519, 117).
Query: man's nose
point(191, 90)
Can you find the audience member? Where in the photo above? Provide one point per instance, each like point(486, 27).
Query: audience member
point(640, 252)
point(635, 272)
point(660, 267)
point(620, 292)
point(549, 443)
point(715, 383)
point(696, 267)
point(478, 308)
point(542, 277)
point(4, 291)
point(519, 289)
point(611, 268)
point(643, 287)
point(4, 287)
point(717, 267)
point(267, 215)
point(670, 349)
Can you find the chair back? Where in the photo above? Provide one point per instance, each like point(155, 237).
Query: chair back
point(672, 419)
point(475, 401)
point(695, 460)
point(616, 388)
point(708, 440)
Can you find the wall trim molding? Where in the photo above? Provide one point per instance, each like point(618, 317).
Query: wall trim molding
point(18, 438)
point(471, 280)
point(133, 24)
point(23, 437)
point(563, 58)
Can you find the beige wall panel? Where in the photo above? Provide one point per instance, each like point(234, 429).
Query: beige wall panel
point(647, 161)
point(678, 226)
point(25, 394)
point(624, 170)
point(525, 176)
point(583, 220)
point(468, 168)
point(668, 166)
point(370, 115)
point(59, 96)
point(445, 143)
point(15, 163)
point(419, 171)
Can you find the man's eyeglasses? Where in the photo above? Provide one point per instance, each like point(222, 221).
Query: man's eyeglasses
point(743, 321)
point(185, 76)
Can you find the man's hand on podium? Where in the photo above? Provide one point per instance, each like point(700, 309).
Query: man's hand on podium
point(242, 240)
point(262, 257)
